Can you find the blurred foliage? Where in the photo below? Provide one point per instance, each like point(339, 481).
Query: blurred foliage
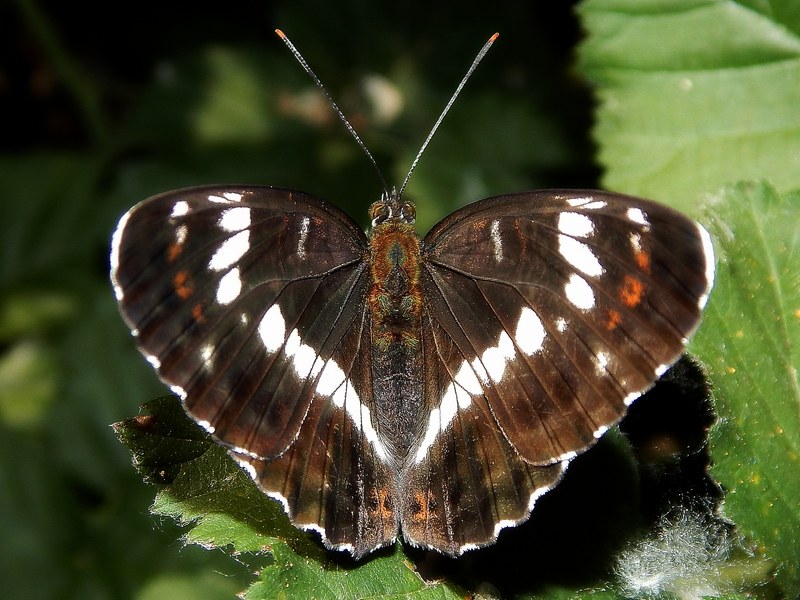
point(105, 105)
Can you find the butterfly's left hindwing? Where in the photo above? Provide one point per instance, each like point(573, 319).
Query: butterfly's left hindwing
point(464, 481)
point(249, 302)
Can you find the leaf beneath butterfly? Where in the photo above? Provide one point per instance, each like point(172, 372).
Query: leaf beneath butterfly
point(750, 340)
point(203, 487)
point(714, 101)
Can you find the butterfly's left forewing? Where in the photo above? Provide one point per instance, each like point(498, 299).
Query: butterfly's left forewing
point(249, 302)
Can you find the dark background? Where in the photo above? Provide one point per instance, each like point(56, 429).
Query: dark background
point(103, 105)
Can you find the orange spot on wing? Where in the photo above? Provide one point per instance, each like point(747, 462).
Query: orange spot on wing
point(642, 258)
point(181, 284)
point(613, 320)
point(384, 507)
point(631, 291)
point(197, 313)
point(421, 506)
point(174, 251)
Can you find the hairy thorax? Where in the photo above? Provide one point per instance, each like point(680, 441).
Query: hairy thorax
point(395, 300)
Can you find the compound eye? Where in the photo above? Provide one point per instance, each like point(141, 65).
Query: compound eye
point(408, 213)
point(379, 212)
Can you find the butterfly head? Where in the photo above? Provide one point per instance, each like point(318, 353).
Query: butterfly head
point(391, 208)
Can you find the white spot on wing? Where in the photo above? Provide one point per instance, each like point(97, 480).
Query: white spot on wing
point(179, 209)
point(272, 329)
point(575, 224)
point(178, 391)
point(494, 359)
point(497, 242)
point(116, 239)
point(333, 383)
point(366, 425)
point(232, 196)
point(466, 383)
point(301, 243)
point(561, 325)
point(479, 370)
point(628, 400)
point(530, 333)
point(251, 471)
point(181, 233)
point(595, 205)
point(586, 202)
point(230, 286)
point(601, 364)
point(207, 426)
point(304, 358)
point(636, 242)
point(207, 356)
point(579, 255)
point(331, 378)
point(449, 406)
point(153, 360)
point(466, 378)
point(230, 251)
point(708, 252)
point(457, 396)
point(637, 216)
point(579, 292)
point(235, 219)
point(244, 452)
point(430, 435)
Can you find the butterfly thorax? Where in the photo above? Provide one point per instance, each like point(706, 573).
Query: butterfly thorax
point(394, 301)
point(394, 298)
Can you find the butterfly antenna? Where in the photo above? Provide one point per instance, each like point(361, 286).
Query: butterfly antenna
point(299, 57)
point(472, 67)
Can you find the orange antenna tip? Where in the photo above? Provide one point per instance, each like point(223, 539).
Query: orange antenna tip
point(283, 35)
point(494, 37)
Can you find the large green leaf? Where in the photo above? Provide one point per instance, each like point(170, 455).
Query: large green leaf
point(694, 94)
point(751, 342)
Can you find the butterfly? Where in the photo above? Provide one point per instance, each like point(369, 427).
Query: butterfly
point(381, 384)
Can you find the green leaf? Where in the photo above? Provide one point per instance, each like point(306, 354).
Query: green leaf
point(751, 341)
point(205, 487)
point(388, 576)
point(694, 94)
point(47, 198)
